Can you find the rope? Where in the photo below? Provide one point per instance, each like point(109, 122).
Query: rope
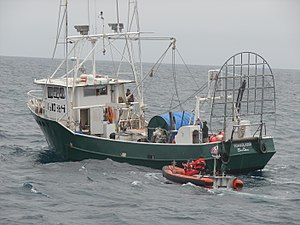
point(189, 98)
point(187, 67)
point(158, 64)
point(174, 77)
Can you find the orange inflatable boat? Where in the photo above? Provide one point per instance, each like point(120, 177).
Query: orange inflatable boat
point(178, 175)
point(191, 174)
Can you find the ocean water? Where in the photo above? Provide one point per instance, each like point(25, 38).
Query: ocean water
point(36, 187)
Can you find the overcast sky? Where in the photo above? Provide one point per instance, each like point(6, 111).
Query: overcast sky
point(207, 31)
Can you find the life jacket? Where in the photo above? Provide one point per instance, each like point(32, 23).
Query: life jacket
point(213, 139)
point(195, 167)
point(199, 164)
point(220, 136)
point(188, 169)
point(191, 172)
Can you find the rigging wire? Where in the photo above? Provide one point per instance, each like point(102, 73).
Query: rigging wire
point(112, 57)
point(157, 65)
point(174, 76)
point(189, 98)
point(186, 67)
point(60, 23)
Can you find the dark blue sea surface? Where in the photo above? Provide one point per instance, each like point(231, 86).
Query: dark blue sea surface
point(36, 187)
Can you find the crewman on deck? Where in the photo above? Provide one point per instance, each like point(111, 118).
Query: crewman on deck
point(205, 132)
point(129, 96)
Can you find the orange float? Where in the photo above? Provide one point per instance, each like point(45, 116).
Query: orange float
point(110, 114)
point(238, 184)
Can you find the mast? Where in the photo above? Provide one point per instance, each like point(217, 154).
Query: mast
point(118, 16)
point(138, 76)
point(93, 41)
point(94, 57)
point(66, 59)
point(141, 90)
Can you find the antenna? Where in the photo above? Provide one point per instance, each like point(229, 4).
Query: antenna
point(103, 44)
point(95, 17)
point(117, 27)
point(88, 3)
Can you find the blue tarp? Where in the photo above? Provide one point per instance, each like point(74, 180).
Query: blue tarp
point(163, 121)
point(181, 118)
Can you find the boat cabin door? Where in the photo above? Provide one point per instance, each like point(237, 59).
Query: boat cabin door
point(85, 120)
point(196, 137)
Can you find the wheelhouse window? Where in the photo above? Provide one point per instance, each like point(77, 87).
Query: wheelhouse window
point(95, 91)
point(50, 92)
point(62, 93)
point(56, 92)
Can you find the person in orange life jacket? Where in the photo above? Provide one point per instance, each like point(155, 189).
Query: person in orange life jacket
point(195, 167)
point(199, 165)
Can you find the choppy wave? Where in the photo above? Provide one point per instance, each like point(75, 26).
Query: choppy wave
point(29, 187)
point(48, 156)
point(39, 187)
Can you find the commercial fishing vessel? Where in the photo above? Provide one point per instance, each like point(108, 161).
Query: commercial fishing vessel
point(99, 115)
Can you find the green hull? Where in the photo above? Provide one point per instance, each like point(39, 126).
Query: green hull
point(245, 155)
